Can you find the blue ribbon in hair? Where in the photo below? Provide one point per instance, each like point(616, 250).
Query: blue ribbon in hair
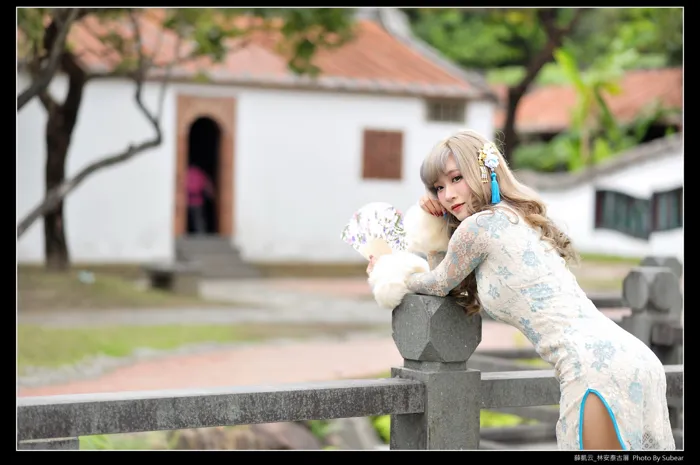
point(495, 191)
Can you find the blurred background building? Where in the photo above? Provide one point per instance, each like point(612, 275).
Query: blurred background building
point(291, 157)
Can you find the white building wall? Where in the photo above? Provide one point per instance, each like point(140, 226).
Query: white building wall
point(297, 167)
point(122, 214)
point(574, 209)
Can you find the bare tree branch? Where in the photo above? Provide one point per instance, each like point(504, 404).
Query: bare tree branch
point(45, 75)
point(56, 195)
point(139, 75)
point(47, 100)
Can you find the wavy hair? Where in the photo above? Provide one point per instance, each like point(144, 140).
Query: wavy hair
point(465, 146)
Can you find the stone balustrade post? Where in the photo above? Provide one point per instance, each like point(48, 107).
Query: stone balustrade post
point(435, 337)
point(672, 263)
point(654, 295)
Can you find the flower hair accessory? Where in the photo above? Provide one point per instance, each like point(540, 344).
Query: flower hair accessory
point(488, 158)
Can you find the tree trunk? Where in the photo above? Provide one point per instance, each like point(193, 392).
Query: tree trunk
point(59, 130)
point(55, 247)
point(510, 135)
point(555, 36)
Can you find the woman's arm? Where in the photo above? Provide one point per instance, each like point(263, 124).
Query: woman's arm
point(435, 258)
point(468, 247)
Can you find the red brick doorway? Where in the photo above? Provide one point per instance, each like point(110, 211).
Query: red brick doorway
point(222, 112)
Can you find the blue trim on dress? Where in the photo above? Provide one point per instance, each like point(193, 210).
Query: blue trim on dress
point(610, 412)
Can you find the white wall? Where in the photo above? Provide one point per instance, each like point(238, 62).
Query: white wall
point(574, 209)
point(298, 175)
point(122, 214)
point(298, 171)
point(299, 168)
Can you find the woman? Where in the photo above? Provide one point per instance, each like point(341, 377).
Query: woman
point(495, 249)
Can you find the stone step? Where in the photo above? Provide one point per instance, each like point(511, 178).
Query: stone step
point(213, 246)
point(215, 256)
point(230, 273)
point(231, 269)
point(217, 260)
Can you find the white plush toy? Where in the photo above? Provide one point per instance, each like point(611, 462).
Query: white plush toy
point(378, 229)
point(389, 274)
point(424, 233)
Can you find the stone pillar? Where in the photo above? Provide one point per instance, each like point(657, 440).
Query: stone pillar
point(654, 296)
point(436, 338)
point(672, 263)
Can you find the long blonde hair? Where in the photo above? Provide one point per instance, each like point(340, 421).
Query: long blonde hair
point(465, 146)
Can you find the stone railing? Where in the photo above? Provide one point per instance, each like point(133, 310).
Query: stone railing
point(435, 398)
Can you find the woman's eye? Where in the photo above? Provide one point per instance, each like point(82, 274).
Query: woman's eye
point(437, 189)
point(457, 178)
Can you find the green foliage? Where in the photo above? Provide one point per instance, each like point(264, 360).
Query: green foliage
point(305, 30)
point(382, 424)
point(148, 440)
point(490, 38)
point(562, 153)
point(96, 442)
point(30, 22)
point(545, 156)
point(655, 33)
point(308, 29)
point(550, 74)
point(319, 428)
point(489, 419)
point(480, 38)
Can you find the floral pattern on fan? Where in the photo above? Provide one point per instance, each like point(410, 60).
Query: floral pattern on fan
point(375, 229)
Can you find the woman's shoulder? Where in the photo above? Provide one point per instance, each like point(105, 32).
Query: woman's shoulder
point(490, 223)
point(495, 215)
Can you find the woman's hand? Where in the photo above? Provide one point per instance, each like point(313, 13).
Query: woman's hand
point(431, 206)
point(372, 261)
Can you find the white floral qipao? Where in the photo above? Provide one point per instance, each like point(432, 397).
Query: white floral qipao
point(523, 282)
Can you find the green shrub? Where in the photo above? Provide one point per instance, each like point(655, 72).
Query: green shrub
point(489, 419)
point(382, 424)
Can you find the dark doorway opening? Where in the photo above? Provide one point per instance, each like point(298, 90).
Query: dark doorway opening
point(203, 153)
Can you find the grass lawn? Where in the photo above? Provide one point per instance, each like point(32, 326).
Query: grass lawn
point(603, 273)
point(53, 347)
point(594, 285)
point(610, 259)
point(39, 289)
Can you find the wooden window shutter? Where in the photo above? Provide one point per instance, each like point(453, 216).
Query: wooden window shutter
point(382, 154)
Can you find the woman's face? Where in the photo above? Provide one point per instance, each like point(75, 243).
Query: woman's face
point(452, 190)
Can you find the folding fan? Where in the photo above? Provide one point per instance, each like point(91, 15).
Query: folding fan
point(375, 229)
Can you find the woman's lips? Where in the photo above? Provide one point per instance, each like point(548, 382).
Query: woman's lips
point(457, 207)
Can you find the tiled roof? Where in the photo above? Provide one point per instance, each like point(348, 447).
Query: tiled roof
point(548, 108)
point(375, 60)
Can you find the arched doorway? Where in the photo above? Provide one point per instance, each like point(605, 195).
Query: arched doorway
point(203, 147)
point(198, 119)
